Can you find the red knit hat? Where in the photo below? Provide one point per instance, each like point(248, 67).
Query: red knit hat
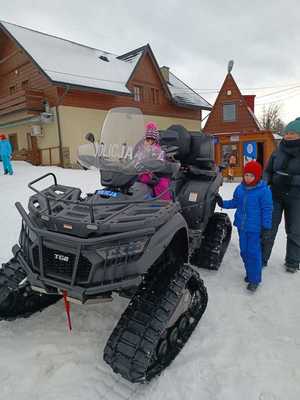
point(253, 167)
point(2, 137)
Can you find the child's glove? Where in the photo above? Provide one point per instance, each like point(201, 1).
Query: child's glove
point(153, 181)
point(219, 200)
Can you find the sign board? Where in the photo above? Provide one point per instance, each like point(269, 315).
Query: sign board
point(235, 138)
point(250, 150)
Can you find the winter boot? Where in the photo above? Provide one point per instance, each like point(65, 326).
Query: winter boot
point(246, 279)
point(5, 172)
point(252, 286)
point(290, 267)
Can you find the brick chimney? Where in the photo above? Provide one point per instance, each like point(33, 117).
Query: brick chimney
point(165, 73)
point(250, 101)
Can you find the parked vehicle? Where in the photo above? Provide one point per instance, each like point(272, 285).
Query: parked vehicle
point(121, 240)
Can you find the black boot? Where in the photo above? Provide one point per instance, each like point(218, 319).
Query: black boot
point(290, 267)
point(252, 286)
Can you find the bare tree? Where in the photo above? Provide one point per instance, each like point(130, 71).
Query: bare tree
point(271, 120)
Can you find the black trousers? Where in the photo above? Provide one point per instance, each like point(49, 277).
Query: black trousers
point(290, 206)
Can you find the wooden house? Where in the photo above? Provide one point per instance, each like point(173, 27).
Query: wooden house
point(53, 91)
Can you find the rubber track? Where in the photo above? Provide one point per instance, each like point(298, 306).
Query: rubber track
point(16, 302)
point(134, 340)
point(214, 243)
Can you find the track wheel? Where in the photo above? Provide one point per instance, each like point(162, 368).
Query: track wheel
point(213, 247)
point(157, 323)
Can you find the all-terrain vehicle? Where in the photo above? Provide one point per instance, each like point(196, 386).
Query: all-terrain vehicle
point(122, 240)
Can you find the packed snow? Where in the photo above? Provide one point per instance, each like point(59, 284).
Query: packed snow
point(246, 346)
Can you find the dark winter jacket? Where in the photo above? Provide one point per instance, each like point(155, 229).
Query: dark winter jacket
point(253, 207)
point(283, 170)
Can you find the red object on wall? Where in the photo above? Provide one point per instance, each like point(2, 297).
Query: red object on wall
point(250, 101)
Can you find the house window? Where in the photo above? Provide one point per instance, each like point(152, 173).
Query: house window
point(230, 155)
point(12, 90)
point(25, 84)
point(138, 93)
point(154, 96)
point(229, 112)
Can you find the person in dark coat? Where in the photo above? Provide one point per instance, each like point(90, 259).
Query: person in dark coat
point(253, 217)
point(283, 175)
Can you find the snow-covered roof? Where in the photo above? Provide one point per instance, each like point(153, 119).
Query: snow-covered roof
point(67, 62)
point(184, 95)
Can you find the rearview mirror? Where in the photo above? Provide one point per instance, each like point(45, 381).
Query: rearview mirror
point(90, 137)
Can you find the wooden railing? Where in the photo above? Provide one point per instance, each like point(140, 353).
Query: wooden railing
point(50, 156)
point(23, 100)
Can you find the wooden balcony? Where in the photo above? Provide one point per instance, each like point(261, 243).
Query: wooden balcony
point(28, 100)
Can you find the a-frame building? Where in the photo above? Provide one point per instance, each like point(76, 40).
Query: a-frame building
point(236, 130)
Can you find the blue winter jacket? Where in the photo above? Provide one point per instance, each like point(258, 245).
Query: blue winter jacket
point(5, 148)
point(253, 207)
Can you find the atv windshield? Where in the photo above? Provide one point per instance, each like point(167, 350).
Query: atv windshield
point(122, 147)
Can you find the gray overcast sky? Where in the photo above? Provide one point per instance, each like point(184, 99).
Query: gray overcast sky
point(196, 39)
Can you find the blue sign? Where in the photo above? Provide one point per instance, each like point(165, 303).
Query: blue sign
point(250, 150)
point(107, 193)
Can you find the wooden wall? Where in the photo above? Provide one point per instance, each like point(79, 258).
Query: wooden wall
point(17, 69)
point(264, 137)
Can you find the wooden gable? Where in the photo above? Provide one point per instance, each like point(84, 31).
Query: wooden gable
point(23, 86)
point(244, 121)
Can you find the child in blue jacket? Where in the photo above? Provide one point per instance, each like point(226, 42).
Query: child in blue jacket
point(5, 154)
point(253, 219)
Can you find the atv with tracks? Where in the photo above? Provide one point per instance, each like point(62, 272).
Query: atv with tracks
point(123, 240)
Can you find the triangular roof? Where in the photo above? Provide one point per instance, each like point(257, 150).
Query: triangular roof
point(70, 63)
point(230, 93)
point(143, 51)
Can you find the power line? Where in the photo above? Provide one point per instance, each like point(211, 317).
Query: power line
point(278, 91)
point(280, 99)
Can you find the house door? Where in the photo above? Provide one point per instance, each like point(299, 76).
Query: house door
point(260, 153)
point(33, 152)
point(13, 138)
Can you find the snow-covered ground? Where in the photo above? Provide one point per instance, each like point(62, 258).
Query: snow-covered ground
point(246, 347)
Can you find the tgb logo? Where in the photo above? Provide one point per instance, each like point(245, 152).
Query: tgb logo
point(61, 257)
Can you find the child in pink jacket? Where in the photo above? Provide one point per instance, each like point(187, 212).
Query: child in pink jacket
point(160, 185)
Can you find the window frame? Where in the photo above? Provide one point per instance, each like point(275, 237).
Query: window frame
point(229, 103)
point(12, 90)
point(138, 93)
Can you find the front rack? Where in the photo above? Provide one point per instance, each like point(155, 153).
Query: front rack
point(48, 197)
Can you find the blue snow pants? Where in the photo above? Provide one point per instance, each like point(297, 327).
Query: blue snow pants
point(251, 253)
point(7, 167)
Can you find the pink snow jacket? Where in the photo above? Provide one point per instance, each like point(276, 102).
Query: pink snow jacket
point(163, 183)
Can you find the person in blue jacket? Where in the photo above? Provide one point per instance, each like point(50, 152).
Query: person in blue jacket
point(253, 219)
point(5, 154)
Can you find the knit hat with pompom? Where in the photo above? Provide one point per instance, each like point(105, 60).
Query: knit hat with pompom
point(151, 132)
